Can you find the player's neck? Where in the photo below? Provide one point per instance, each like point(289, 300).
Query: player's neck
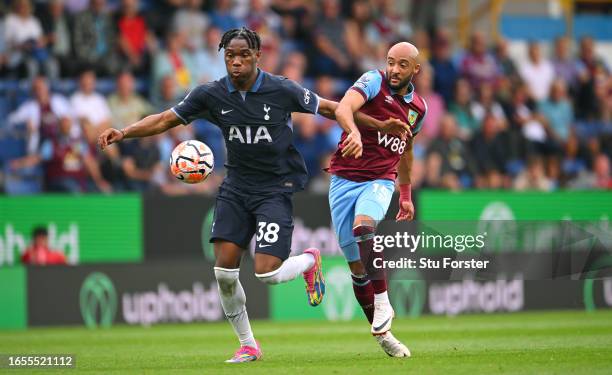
point(405, 90)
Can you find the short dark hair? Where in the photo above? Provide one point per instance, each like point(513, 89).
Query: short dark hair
point(39, 231)
point(251, 37)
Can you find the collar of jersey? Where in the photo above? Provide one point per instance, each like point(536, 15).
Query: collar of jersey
point(408, 96)
point(255, 86)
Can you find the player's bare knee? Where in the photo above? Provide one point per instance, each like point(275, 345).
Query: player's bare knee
point(227, 279)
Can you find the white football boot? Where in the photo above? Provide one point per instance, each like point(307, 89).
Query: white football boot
point(392, 346)
point(383, 317)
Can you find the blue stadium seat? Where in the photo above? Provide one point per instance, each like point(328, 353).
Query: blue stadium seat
point(529, 27)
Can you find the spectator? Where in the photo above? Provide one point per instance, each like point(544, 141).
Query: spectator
point(574, 164)
point(478, 65)
point(565, 67)
point(587, 58)
point(390, 25)
point(69, 163)
point(486, 103)
point(58, 37)
point(135, 39)
point(174, 61)
point(603, 93)
point(601, 172)
point(210, 57)
point(125, 105)
point(461, 108)
point(445, 73)
point(505, 64)
point(39, 253)
point(41, 114)
point(363, 39)
point(23, 35)
point(310, 141)
point(421, 41)
point(262, 19)
point(531, 124)
point(270, 59)
point(435, 104)
point(538, 73)
point(558, 112)
point(295, 20)
point(221, 16)
point(533, 177)
point(141, 163)
point(449, 163)
point(325, 88)
point(331, 41)
point(192, 22)
point(94, 39)
point(167, 96)
point(90, 108)
point(488, 148)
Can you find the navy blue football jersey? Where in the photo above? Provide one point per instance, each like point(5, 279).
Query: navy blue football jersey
point(257, 128)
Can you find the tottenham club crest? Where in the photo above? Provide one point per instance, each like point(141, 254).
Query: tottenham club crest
point(412, 117)
point(267, 110)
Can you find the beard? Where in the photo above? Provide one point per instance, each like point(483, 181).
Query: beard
point(403, 83)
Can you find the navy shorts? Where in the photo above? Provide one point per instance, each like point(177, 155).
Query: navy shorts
point(268, 216)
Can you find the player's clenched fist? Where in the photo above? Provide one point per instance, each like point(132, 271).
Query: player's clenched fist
point(352, 147)
point(108, 137)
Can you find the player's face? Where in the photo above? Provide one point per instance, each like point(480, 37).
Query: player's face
point(400, 71)
point(240, 61)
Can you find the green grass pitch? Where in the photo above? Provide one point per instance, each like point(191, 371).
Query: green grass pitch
point(523, 343)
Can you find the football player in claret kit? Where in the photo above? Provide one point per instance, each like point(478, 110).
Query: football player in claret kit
point(253, 109)
point(361, 189)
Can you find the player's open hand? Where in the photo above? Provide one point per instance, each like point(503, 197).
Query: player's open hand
point(352, 147)
point(406, 211)
point(108, 137)
point(396, 127)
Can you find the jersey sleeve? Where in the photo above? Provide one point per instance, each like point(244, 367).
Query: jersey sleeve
point(195, 104)
point(368, 85)
point(300, 99)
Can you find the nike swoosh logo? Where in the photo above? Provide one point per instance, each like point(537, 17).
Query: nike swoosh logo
point(382, 325)
point(224, 111)
point(264, 246)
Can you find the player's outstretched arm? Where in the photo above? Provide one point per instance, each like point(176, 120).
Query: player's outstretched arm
point(406, 207)
point(150, 125)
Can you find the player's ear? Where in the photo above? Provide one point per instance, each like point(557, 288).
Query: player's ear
point(417, 68)
point(257, 55)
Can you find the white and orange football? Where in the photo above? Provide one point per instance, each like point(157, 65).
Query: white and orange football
point(191, 162)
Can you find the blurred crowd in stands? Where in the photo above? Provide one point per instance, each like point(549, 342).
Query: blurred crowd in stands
point(71, 68)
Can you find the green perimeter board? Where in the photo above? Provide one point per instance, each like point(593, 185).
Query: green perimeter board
point(13, 299)
point(503, 205)
point(88, 229)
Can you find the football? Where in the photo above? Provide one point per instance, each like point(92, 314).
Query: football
point(191, 162)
